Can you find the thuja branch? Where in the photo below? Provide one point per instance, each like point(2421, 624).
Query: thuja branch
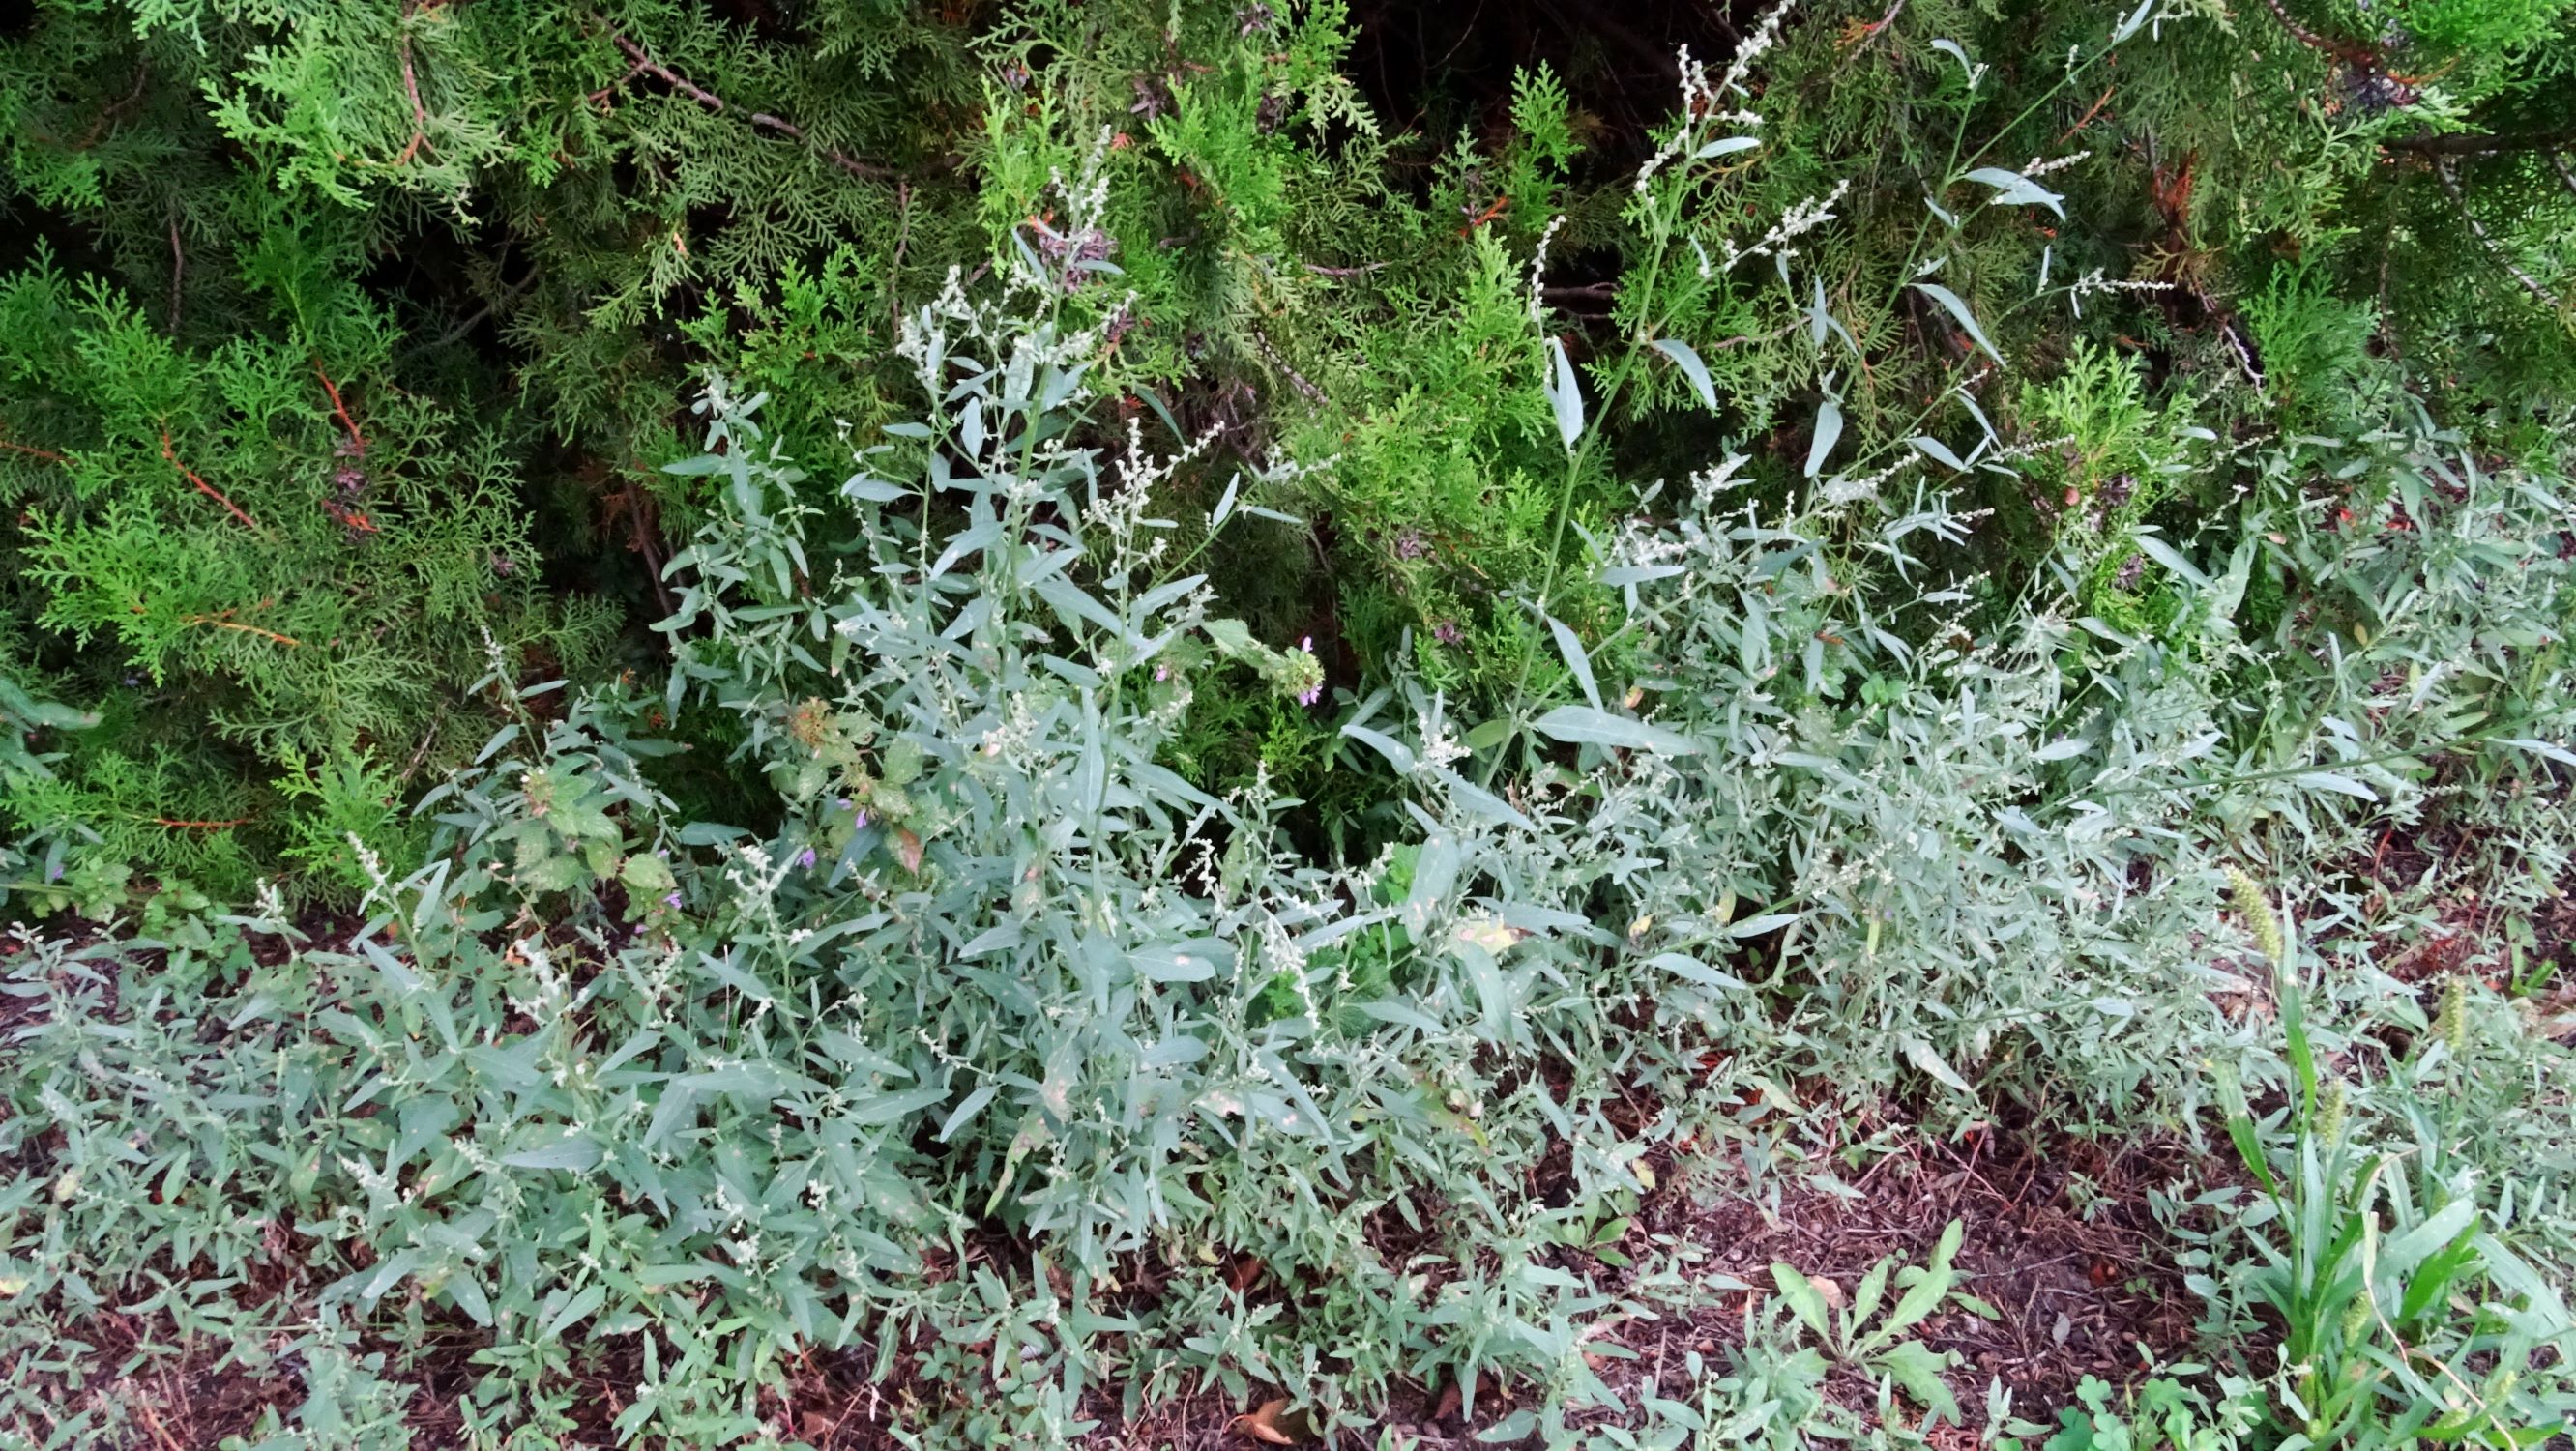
point(217, 622)
point(31, 451)
point(419, 113)
point(2482, 145)
point(357, 441)
point(646, 64)
point(207, 489)
point(2504, 259)
point(2358, 55)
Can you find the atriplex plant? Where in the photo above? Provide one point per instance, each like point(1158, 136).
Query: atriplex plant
point(1852, 1330)
point(967, 1034)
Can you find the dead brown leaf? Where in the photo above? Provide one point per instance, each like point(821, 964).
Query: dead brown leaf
point(1264, 1424)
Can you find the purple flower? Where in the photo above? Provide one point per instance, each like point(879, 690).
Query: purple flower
point(1447, 632)
point(861, 824)
point(1410, 545)
point(673, 899)
point(1162, 673)
point(1307, 644)
point(805, 858)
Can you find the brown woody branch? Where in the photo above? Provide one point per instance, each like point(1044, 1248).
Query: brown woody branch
point(218, 622)
point(2345, 51)
point(357, 440)
point(419, 113)
point(2504, 259)
point(207, 489)
point(645, 63)
point(31, 451)
point(2483, 145)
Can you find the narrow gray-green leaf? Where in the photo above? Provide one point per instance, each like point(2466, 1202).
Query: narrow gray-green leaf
point(1564, 394)
point(1575, 660)
point(1939, 452)
point(2170, 557)
point(2014, 189)
point(1922, 1055)
point(1397, 754)
point(1952, 304)
point(1687, 358)
point(1584, 725)
point(2335, 781)
point(1829, 431)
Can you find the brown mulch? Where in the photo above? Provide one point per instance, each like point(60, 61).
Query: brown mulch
point(2058, 1238)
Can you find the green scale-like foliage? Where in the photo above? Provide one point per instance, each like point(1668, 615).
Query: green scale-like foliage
point(250, 555)
point(550, 218)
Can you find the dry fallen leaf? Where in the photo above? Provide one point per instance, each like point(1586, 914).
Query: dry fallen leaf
point(1263, 1424)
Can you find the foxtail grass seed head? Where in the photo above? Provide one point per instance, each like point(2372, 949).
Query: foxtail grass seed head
point(2451, 1024)
point(2330, 1113)
point(2260, 923)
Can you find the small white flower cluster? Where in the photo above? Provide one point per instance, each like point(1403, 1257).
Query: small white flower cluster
point(2035, 446)
point(1538, 268)
point(1841, 490)
point(1440, 745)
point(1014, 741)
point(1799, 220)
point(927, 334)
point(2095, 282)
point(2039, 168)
point(380, 887)
point(1718, 478)
point(1704, 103)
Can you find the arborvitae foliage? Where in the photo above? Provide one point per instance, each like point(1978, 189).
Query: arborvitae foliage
point(513, 234)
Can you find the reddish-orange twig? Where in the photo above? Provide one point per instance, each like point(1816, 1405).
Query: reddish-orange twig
point(2087, 119)
point(197, 825)
point(357, 441)
point(1501, 205)
point(419, 115)
point(207, 489)
point(219, 623)
point(47, 454)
